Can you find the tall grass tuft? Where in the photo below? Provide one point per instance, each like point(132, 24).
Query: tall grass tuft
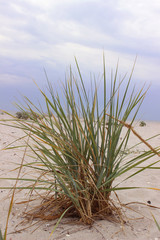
point(78, 146)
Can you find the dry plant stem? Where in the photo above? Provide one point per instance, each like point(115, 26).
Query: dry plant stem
point(14, 188)
point(140, 203)
point(137, 135)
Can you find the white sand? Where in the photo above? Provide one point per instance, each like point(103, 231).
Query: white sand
point(138, 226)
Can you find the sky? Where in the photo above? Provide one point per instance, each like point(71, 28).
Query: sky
point(37, 35)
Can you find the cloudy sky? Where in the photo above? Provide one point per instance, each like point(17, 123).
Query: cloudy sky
point(38, 34)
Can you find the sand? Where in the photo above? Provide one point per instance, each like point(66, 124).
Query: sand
point(138, 225)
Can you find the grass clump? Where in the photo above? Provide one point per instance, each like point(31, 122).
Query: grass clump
point(79, 156)
point(25, 115)
point(22, 115)
point(142, 124)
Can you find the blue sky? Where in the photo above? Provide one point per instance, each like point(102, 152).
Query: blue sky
point(37, 34)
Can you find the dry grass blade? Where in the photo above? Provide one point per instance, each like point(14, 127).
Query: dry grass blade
point(140, 138)
point(157, 224)
point(13, 193)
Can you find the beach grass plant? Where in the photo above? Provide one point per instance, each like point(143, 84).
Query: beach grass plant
point(77, 148)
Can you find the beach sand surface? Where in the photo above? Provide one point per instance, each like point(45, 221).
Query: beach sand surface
point(139, 221)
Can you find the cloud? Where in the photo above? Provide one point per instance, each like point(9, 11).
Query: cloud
point(36, 34)
point(33, 28)
point(10, 79)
